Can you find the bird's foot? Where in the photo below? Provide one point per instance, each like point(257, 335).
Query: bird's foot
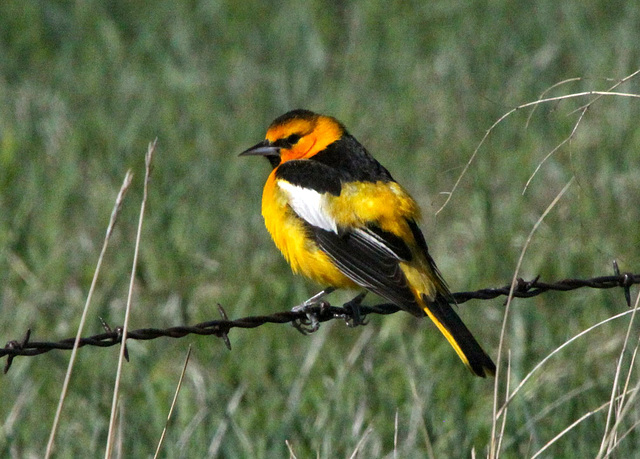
point(355, 318)
point(311, 323)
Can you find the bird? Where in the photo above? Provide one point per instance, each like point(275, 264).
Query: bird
point(341, 220)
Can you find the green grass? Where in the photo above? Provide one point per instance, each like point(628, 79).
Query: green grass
point(84, 87)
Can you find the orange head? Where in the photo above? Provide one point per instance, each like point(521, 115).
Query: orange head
point(298, 134)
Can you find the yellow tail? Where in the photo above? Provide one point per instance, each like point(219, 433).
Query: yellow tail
point(442, 314)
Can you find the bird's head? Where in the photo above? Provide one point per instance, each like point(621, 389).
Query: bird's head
point(298, 134)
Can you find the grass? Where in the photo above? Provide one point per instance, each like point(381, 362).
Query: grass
point(85, 86)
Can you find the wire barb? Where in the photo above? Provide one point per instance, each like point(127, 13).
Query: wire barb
point(117, 338)
point(17, 345)
point(625, 282)
point(322, 312)
point(224, 333)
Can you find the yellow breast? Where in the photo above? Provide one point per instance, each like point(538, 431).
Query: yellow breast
point(291, 237)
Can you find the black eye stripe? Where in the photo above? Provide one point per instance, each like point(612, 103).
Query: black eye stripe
point(293, 139)
point(288, 142)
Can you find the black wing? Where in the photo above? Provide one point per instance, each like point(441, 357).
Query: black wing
point(370, 257)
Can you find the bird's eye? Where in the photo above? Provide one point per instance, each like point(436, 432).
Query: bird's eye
point(293, 139)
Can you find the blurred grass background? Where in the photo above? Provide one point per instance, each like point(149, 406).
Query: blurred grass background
point(84, 86)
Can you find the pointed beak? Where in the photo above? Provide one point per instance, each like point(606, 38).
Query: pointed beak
point(264, 148)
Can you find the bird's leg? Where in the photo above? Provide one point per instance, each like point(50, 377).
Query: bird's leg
point(354, 306)
point(312, 324)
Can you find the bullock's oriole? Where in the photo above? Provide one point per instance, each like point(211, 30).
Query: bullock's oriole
point(341, 220)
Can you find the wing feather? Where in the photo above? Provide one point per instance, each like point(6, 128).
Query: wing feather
point(367, 258)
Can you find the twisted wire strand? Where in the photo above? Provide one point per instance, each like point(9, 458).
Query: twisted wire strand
point(323, 312)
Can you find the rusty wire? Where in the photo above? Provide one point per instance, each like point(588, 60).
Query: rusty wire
point(323, 313)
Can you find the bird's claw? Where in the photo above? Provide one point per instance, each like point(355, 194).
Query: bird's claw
point(355, 318)
point(311, 323)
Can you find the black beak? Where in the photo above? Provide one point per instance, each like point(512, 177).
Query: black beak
point(264, 148)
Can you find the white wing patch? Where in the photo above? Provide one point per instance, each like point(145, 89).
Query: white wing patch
point(375, 243)
point(309, 205)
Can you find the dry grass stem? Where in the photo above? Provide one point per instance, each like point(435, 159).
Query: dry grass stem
point(570, 427)
point(609, 436)
point(173, 403)
point(65, 385)
point(114, 402)
point(506, 394)
point(494, 452)
point(534, 104)
point(361, 442)
point(395, 436)
point(292, 455)
point(556, 148)
point(554, 352)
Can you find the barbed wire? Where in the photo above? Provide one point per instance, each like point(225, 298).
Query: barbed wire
point(322, 313)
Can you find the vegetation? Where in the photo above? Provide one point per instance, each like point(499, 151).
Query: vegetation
point(85, 86)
